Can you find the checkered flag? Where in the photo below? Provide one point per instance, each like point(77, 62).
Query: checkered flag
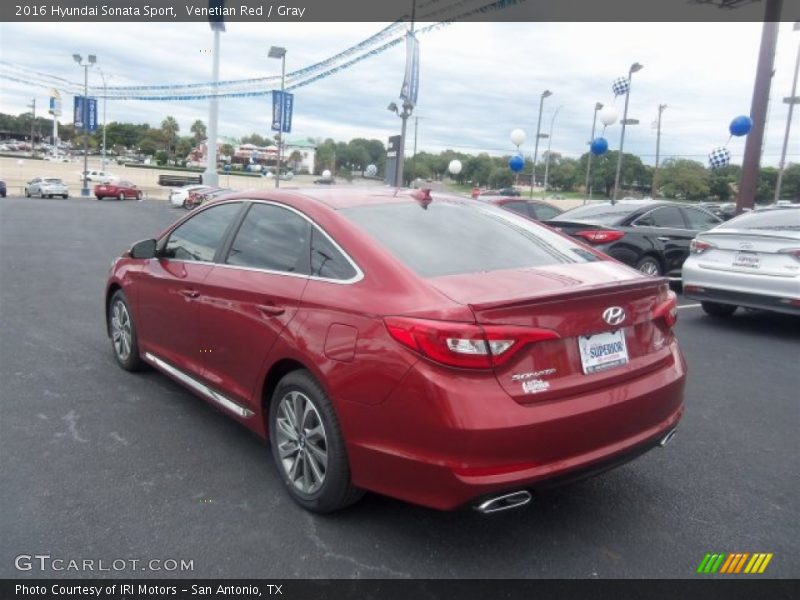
point(719, 157)
point(620, 86)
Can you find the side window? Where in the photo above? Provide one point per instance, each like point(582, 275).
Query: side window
point(326, 260)
point(699, 219)
point(200, 237)
point(543, 213)
point(271, 238)
point(666, 216)
point(519, 207)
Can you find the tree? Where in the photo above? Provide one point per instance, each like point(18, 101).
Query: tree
point(681, 178)
point(767, 180)
point(723, 182)
point(170, 128)
point(256, 140)
point(198, 130)
point(790, 188)
point(296, 157)
point(226, 150)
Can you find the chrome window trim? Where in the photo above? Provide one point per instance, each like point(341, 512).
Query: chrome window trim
point(355, 279)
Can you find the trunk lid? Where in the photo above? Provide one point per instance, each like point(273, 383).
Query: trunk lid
point(762, 253)
point(570, 300)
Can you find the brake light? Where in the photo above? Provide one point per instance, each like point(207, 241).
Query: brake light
point(464, 345)
point(600, 236)
point(667, 310)
point(699, 246)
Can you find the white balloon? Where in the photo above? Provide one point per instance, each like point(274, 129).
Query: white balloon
point(518, 137)
point(608, 116)
point(326, 174)
point(454, 167)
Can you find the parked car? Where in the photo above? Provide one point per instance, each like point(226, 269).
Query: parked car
point(325, 181)
point(434, 349)
point(46, 187)
point(751, 261)
point(534, 209)
point(56, 158)
point(507, 191)
point(122, 190)
point(724, 210)
point(178, 196)
point(200, 197)
point(95, 176)
point(652, 236)
point(3, 190)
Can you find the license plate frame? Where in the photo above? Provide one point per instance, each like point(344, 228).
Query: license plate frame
point(747, 260)
point(603, 351)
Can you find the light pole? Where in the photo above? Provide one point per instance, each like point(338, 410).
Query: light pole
point(661, 108)
point(597, 106)
point(279, 52)
point(91, 59)
point(210, 175)
point(544, 95)
point(791, 101)
point(634, 68)
point(105, 99)
point(549, 142)
point(414, 156)
point(408, 108)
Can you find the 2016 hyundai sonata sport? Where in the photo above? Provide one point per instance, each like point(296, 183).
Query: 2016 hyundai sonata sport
point(430, 348)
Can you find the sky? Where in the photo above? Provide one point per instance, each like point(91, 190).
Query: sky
point(478, 81)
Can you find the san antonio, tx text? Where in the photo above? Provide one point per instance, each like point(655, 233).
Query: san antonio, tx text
point(103, 10)
point(60, 589)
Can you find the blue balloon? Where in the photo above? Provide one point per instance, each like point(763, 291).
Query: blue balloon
point(599, 146)
point(516, 163)
point(741, 125)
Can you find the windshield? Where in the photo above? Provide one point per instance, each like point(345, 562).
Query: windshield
point(780, 219)
point(453, 238)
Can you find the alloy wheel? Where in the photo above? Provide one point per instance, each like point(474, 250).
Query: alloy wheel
point(302, 442)
point(121, 330)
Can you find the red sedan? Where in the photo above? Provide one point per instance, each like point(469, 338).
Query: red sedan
point(121, 190)
point(434, 349)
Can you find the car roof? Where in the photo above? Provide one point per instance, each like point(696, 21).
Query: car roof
point(342, 197)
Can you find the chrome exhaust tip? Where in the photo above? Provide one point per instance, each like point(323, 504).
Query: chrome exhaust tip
point(503, 502)
point(668, 438)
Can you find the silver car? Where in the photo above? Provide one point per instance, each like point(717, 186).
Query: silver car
point(751, 261)
point(46, 187)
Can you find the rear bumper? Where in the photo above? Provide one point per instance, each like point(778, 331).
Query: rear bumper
point(751, 290)
point(443, 442)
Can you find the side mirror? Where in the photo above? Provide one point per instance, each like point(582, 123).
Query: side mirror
point(144, 249)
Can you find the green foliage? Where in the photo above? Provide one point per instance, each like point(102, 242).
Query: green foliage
point(790, 188)
point(161, 157)
point(683, 179)
point(198, 131)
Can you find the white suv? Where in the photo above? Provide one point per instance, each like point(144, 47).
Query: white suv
point(96, 176)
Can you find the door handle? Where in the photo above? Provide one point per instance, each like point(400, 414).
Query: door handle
point(271, 310)
point(664, 238)
point(189, 293)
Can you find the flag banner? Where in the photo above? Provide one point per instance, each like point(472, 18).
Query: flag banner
point(288, 107)
point(408, 93)
point(91, 116)
point(78, 112)
point(277, 109)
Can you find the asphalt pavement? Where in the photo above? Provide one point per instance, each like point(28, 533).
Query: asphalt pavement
point(100, 464)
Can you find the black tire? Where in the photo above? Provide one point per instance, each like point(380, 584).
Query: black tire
point(336, 490)
point(649, 265)
point(121, 196)
point(130, 361)
point(139, 196)
point(65, 196)
point(713, 309)
point(27, 193)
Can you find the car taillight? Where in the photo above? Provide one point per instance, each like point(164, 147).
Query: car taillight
point(699, 246)
point(464, 345)
point(600, 236)
point(667, 310)
point(794, 252)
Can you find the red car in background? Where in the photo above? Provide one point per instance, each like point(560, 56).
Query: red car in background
point(121, 190)
point(199, 197)
point(435, 349)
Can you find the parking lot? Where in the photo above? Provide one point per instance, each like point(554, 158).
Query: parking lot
point(99, 463)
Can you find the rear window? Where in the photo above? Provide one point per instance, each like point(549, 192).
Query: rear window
point(779, 219)
point(605, 214)
point(451, 238)
point(52, 180)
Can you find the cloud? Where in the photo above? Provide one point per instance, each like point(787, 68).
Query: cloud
point(478, 81)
